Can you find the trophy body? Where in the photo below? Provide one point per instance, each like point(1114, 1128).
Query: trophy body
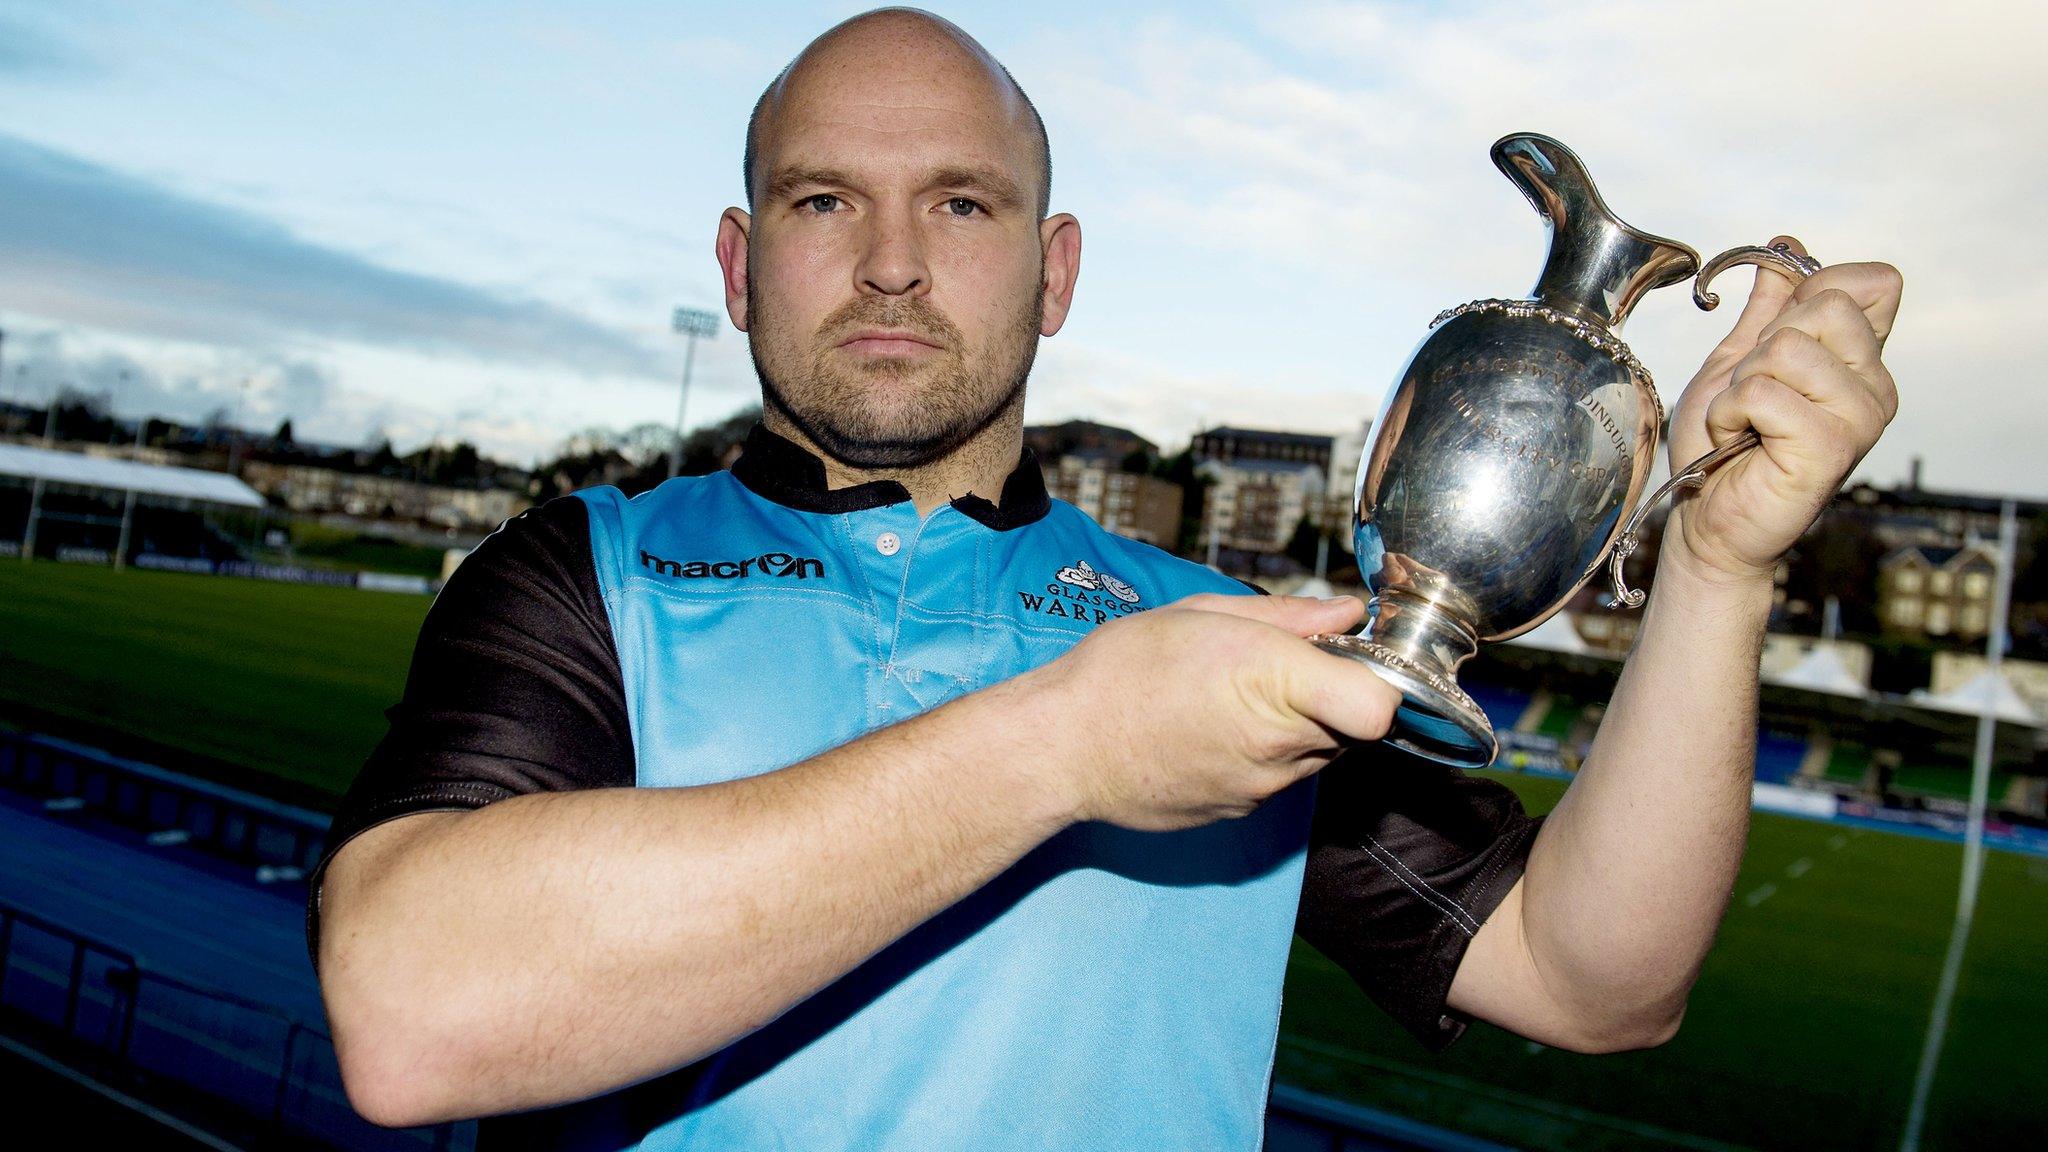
point(1508, 456)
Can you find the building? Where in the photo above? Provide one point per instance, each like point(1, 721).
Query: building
point(1347, 459)
point(1911, 515)
point(1129, 504)
point(1937, 592)
point(1087, 465)
point(1867, 532)
point(314, 490)
point(1055, 441)
point(1264, 484)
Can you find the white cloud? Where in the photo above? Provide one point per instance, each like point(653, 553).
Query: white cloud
point(1349, 146)
point(1088, 382)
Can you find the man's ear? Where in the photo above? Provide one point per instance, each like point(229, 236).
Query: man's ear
point(1061, 237)
point(732, 263)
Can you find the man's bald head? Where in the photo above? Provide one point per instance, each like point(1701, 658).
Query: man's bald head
point(901, 39)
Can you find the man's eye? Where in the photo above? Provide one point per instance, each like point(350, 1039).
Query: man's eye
point(962, 206)
point(822, 202)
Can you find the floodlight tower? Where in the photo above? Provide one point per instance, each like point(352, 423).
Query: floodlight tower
point(691, 323)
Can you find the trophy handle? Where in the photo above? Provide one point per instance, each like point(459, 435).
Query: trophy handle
point(1778, 256)
point(1694, 475)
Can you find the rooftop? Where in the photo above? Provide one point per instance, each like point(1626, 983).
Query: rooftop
point(158, 480)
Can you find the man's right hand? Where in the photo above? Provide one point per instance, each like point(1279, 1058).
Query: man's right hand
point(1203, 709)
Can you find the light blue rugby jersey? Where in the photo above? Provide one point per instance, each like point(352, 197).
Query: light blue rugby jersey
point(1113, 990)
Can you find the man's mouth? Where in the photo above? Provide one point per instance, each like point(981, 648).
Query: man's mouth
point(889, 342)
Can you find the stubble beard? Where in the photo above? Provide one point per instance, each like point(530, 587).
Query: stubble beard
point(832, 402)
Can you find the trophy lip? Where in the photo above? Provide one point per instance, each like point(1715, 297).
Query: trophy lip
point(1679, 270)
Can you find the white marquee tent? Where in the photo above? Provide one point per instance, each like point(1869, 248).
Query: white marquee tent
point(1557, 635)
point(158, 481)
point(1987, 687)
point(1822, 670)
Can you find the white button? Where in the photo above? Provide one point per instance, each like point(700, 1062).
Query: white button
point(888, 543)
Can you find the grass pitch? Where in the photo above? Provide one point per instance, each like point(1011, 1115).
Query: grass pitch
point(1803, 1033)
point(283, 680)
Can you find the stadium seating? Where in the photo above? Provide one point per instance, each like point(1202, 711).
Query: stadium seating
point(1778, 757)
point(1503, 706)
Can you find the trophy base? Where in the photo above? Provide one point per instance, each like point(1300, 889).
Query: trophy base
point(1436, 719)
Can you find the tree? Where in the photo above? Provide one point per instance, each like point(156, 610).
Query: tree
point(283, 435)
point(83, 415)
point(636, 459)
point(710, 447)
point(1837, 557)
point(1180, 469)
point(2030, 589)
point(2030, 565)
point(1302, 546)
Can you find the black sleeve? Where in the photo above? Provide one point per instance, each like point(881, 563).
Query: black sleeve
point(1407, 858)
point(514, 688)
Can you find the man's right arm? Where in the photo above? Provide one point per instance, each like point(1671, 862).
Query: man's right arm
point(558, 944)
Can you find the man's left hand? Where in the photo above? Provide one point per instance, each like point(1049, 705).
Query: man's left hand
point(1802, 367)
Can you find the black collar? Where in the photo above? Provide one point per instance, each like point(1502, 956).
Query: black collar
point(780, 470)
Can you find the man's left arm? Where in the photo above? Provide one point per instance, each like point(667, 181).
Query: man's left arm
point(1598, 944)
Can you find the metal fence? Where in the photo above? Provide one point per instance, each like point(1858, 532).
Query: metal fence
point(247, 1070)
point(226, 822)
point(251, 1072)
point(244, 1070)
point(255, 1075)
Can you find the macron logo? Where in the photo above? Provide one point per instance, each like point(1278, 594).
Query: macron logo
point(780, 565)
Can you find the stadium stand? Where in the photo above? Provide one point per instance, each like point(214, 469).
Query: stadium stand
point(1778, 757)
point(1503, 706)
point(1561, 718)
point(1946, 781)
point(1849, 764)
point(77, 505)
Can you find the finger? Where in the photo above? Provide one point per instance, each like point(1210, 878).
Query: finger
point(1875, 287)
point(1341, 694)
point(1796, 358)
point(1301, 615)
point(1794, 429)
point(1767, 296)
point(1836, 319)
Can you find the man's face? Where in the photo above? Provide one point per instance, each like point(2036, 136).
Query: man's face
point(894, 263)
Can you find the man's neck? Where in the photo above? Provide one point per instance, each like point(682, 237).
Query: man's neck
point(979, 467)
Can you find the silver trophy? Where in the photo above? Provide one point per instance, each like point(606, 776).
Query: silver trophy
point(1508, 457)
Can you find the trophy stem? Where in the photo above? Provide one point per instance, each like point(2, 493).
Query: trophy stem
point(1416, 646)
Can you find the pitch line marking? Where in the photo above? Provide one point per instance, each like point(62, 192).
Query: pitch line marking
point(1760, 895)
point(1799, 867)
point(1837, 842)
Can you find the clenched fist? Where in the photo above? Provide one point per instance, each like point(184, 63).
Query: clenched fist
point(1803, 366)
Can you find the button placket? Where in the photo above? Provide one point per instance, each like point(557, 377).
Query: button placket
point(884, 540)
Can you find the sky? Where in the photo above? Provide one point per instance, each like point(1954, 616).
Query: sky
point(473, 220)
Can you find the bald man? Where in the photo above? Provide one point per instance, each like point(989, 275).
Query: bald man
point(860, 796)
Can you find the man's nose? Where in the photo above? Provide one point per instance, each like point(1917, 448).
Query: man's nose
point(894, 261)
